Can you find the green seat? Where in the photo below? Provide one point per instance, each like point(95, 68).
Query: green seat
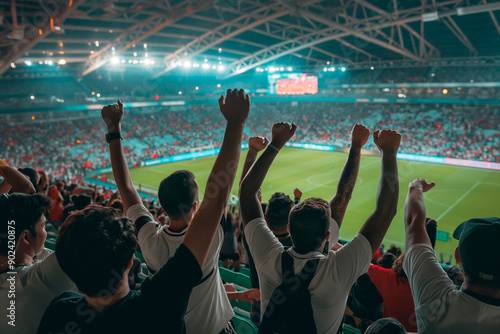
point(245, 271)
point(346, 329)
point(243, 281)
point(243, 325)
point(227, 275)
point(50, 244)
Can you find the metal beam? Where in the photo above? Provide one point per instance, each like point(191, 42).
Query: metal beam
point(459, 34)
point(38, 33)
point(140, 31)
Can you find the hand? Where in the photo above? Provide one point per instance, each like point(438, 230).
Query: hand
point(229, 287)
point(422, 184)
point(249, 295)
point(257, 143)
point(387, 141)
point(297, 193)
point(113, 116)
point(359, 136)
point(281, 133)
point(236, 107)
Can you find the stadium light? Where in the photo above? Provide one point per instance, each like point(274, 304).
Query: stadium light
point(205, 66)
point(445, 91)
point(32, 97)
point(135, 54)
point(98, 94)
point(115, 60)
point(97, 43)
point(214, 67)
point(325, 69)
point(50, 62)
point(218, 85)
point(328, 63)
point(372, 68)
point(40, 62)
point(187, 64)
point(145, 45)
point(196, 65)
point(343, 69)
point(180, 93)
point(146, 55)
point(12, 65)
point(289, 68)
point(220, 68)
point(282, 69)
point(197, 88)
point(61, 61)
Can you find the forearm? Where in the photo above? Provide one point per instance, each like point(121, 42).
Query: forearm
point(16, 180)
point(386, 204)
point(414, 218)
point(249, 160)
point(345, 187)
point(122, 175)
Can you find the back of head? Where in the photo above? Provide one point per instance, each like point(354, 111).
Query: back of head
point(81, 201)
point(309, 223)
point(397, 267)
point(386, 260)
point(278, 210)
point(479, 251)
point(24, 210)
point(386, 326)
point(94, 248)
point(177, 193)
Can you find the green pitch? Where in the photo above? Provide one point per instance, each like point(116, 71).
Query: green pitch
point(460, 192)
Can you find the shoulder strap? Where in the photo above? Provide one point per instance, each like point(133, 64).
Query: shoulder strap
point(286, 264)
point(307, 273)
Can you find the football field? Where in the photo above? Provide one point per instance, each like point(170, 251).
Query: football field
point(460, 192)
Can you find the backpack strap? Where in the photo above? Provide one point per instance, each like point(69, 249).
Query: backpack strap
point(286, 264)
point(307, 273)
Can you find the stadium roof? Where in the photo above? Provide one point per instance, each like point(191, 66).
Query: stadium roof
point(244, 35)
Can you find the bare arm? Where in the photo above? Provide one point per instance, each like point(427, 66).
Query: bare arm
point(255, 145)
point(113, 116)
point(15, 180)
point(415, 213)
point(379, 221)
point(206, 220)
point(347, 181)
point(249, 202)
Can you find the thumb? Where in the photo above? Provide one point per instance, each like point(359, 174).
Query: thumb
point(120, 104)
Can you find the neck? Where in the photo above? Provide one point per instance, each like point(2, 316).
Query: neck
point(482, 290)
point(177, 225)
point(104, 302)
point(279, 230)
point(22, 258)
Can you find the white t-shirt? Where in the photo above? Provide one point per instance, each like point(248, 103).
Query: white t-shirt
point(35, 287)
point(335, 275)
point(209, 309)
point(439, 306)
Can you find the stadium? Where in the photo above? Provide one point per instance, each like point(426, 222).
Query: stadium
point(428, 70)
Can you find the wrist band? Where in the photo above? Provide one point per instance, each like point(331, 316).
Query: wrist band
point(273, 147)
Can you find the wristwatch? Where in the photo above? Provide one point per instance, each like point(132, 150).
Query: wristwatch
point(112, 136)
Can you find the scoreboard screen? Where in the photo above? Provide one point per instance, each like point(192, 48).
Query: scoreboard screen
point(292, 84)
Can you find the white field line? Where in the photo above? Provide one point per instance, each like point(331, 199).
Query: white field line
point(458, 200)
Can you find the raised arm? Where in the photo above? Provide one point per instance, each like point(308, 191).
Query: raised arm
point(250, 207)
point(15, 180)
point(347, 181)
point(379, 221)
point(255, 145)
point(113, 116)
point(415, 213)
point(204, 224)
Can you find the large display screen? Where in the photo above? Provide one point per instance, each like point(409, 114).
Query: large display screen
point(293, 84)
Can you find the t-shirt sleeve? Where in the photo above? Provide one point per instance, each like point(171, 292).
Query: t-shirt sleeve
point(426, 277)
point(169, 289)
point(48, 273)
point(353, 259)
point(378, 276)
point(262, 243)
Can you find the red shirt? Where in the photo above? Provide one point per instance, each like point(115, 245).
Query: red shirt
point(396, 292)
point(56, 211)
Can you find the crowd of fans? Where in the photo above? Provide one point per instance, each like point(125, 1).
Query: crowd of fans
point(304, 279)
point(69, 148)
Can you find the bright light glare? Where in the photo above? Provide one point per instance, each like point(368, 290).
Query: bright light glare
point(115, 60)
point(220, 68)
point(32, 97)
point(205, 66)
point(62, 62)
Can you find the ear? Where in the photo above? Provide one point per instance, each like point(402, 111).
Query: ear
point(265, 217)
point(457, 256)
point(327, 237)
point(130, 263)
point(195, 206)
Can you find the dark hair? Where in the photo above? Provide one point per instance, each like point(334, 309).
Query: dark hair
point(397, 267)
point(386, 326)
point(395, 250)
point(177, 193)
point(386, 260)
point(33, 176)
point(278, 210)
point(94, 248)
point(81, 201)
point(25, 210)
point(309, 223)
point(117, 204)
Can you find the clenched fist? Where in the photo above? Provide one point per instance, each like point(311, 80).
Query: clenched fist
point(281, 133)
point(113, 115)
point(257, 143)
point(359, 136)
point(422, 183)
point(387, 141)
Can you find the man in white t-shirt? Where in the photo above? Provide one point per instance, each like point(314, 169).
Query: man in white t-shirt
point(309, 230)
point(439, 306)
point(30, 280)
point(209, 310)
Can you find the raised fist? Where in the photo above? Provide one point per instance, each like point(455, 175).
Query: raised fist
point(113, 115)
point(257, 143)
point(387, 141)
point(281, 133)
point(359, 136)
point(297, 193)
point(422, 184)
point(236, 106)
